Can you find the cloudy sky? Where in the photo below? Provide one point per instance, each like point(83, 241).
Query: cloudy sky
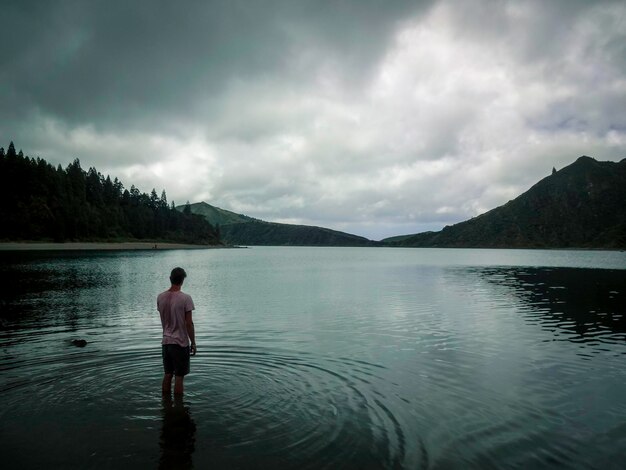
point(375, 117)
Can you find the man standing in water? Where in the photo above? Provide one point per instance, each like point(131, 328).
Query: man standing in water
point(178, 332)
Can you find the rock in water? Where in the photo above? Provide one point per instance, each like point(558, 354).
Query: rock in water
point(81, 343)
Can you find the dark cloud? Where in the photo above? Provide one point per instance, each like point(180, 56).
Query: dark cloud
point(143, 63)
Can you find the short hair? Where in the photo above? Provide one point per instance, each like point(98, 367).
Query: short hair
point(177, 276)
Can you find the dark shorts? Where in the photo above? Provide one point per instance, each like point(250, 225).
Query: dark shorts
point(175, 359)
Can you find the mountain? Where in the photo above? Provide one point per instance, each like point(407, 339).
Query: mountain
point(581, 206)
point(215, 215)
point(396, 239)
point(239, 229)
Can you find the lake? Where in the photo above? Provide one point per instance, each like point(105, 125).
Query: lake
point(317, 358)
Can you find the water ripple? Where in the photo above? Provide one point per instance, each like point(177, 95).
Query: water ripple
point(278, 405)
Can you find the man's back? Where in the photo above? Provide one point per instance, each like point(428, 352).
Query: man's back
point(172, 306)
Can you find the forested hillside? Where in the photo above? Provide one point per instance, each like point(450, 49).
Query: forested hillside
point(581, 206)
point(41, 202)
point(270, 233)
point(239, 229)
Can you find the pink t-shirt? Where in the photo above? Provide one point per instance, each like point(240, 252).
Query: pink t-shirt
point(172, 306)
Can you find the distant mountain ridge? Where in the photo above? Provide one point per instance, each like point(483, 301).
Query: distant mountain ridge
point(216, 215)
point(581, 206)
point(239, 229)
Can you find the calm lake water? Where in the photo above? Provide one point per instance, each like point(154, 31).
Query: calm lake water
point(318, 358)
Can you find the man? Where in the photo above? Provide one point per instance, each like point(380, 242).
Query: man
point(175, 309)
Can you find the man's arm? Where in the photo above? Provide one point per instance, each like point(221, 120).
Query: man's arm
point(191, 332)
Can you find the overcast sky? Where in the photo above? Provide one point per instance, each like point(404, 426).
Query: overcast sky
point(377, 118)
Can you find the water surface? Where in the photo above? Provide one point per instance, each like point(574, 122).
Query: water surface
point(318, 358)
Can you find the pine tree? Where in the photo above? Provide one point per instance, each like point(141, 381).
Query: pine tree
point(11, 151)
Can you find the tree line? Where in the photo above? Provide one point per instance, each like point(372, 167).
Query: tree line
point(41, 202)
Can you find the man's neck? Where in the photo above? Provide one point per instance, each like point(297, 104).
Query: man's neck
point(175, 288)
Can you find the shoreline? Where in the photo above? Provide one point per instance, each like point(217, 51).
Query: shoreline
point(137, 246)
point(102, 246)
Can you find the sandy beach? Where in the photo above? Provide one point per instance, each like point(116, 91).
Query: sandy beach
point(81, 246)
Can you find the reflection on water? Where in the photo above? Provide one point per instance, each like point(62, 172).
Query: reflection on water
point(316, 358)
point(178, 435)
point(578, 305)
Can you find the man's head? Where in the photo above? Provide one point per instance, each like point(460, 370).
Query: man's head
point(177, 276)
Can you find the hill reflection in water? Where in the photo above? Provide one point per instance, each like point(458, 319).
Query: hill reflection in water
point(578, 305)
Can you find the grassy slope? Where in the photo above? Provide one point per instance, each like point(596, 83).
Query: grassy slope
point(269, 233)
point(239, 229)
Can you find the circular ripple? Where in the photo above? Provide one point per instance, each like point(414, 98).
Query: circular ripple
point(280, 405)
point(250, 405)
